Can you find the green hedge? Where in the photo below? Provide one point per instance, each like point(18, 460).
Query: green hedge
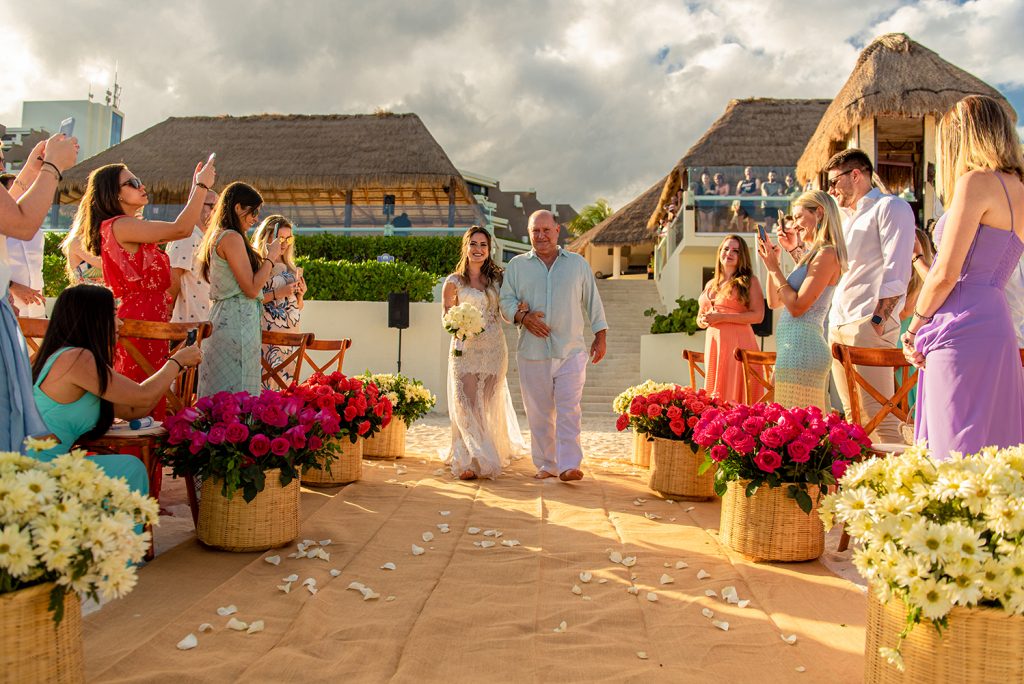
point(55, 275)
point(369, 281)
point(51, 244)
point(682, 319)
point(437, 255)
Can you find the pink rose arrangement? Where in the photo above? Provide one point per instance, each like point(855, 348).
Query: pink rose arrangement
point(768, 444)
point(669, 413)
point(363, 411)
point(238, 437)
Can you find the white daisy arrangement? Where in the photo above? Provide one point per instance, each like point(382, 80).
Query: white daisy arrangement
point(464, 321)
point(936, 534)
point(64, 521)
point(622, 402)
point(410, 400)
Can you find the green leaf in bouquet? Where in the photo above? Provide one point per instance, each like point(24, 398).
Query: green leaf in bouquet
point(720, 488)
point(57, 603)
point(705, 465)
point(791, 491)
point(803, 500)
point(828, 478)
point(287, 475)
point(752, 487)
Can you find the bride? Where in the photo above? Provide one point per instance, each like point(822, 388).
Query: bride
point(485, 431)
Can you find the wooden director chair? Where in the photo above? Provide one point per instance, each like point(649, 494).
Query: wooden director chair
point(693, 358)
point(898, 405)
point(281, 339)
point(338, 346)
point(34, 329)
point(764, 374)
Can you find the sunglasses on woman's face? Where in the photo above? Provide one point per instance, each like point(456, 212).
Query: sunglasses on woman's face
point(134, 182)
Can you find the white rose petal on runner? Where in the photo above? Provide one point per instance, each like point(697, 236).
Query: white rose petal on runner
point(463, 321)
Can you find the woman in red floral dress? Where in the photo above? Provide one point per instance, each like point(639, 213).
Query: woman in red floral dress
point(134, 267)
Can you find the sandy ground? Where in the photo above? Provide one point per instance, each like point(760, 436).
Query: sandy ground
point(603, 448)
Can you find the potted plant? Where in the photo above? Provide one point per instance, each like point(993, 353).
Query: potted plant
point(362, 411)
point(668, 417)
point(258, 445)
point(65, 529)
point(641, 455)
point(940, 543)
point(774, 465)
point(411, 401)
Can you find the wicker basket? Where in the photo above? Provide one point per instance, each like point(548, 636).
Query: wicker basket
point(981, 645)
point(769, 525)
point(387, 444)
point(641, 450)
point(346, 466)
point(674, 466)
point(32, 650)
point(268, 521)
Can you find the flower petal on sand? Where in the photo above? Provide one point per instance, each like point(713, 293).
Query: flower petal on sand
point(286, 588)
point(703, 575)
point(236, 624)
point(312, 590)
point(744, 603)
point(309, 582)
point(417, 550)
point(230, 610)
point(473, 530)
point(576, 589)
point(388, 566)
point(800, 669)
point(616, 557)
point(629, 561)
point(711, 592)
point(665, 579)
point(290, 578)
point(724, 626)
point(358, 586)
point(708, 613)
point(439, 471)
point(487, 544)
point(255, 627)
point(369, 594)
point(651, 596)
point(188, 642)
point(687, 510)
point(585, 577)
point(680, 565)
point(633, 590)
point(641, 655)
point(335, 573)
point(273, 560)
point(601, 581)
point(446, 512)
point(510, 543)
point(324, 542)
point(206, 627)
point(428, 536)
point(562, 626)
point(652, 516)
point(791, 639)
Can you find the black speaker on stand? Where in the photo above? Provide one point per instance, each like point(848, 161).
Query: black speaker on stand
point(398, 317)
point(764, 328)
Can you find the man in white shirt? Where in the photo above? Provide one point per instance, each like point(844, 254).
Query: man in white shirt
point(1015, 298)
point(190, 292)
point(879, 232)
point(26, 260)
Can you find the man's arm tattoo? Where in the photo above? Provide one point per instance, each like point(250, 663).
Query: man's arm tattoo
point(885, 307)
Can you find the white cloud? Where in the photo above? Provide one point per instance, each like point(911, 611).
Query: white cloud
point(577, 98)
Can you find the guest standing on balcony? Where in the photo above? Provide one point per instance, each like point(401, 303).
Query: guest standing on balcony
point(971, 389)
point(730, 304)
point(748, 186)
point(282, 294)
point(236, 273)
point(803, 359)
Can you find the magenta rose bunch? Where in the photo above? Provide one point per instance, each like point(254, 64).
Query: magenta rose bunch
point(238, 437)
point(767, 444)
point(362, 410)
point(669, 413)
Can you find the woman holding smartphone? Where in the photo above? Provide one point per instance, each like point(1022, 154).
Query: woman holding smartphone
point(814, 238)
point(282, 293)
point(236, 273)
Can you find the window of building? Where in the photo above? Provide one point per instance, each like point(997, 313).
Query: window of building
point(478, 189)
point(115, 128)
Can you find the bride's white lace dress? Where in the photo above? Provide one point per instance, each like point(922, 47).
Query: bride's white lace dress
point(485, 431)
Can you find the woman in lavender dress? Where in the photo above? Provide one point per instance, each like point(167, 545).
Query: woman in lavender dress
point(971, 387)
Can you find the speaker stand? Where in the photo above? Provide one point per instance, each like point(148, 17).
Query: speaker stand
point(399, 351)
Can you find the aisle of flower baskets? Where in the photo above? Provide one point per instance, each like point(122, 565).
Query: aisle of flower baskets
point(694, 535)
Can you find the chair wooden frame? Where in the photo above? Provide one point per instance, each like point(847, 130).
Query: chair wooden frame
point(339, 346)
point(749, 359)
point(693, 358)
point(34, 330)
point(898, 405)
point(282, 339)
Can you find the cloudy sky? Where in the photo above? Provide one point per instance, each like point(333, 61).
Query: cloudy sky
point(577, 98)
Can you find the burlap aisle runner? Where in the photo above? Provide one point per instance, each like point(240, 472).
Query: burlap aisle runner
point(465, 613)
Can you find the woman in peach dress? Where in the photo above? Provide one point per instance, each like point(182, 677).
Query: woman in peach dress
point(730, 304)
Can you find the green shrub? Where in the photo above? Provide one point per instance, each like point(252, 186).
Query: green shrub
point(51, 244)
point(368, 281)
point(682, 319)
point(55, 275)
point(437, 254)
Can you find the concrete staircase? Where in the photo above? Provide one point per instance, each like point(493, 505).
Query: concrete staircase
point(624, 304)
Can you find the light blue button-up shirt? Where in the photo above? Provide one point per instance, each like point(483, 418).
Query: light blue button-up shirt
point(560, 293)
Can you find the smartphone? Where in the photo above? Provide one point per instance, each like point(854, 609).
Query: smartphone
point(763, 232)
point(298, 273)
point(190, 338)
point(67, 126)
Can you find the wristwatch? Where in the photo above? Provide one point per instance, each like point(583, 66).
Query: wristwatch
point(877, 320)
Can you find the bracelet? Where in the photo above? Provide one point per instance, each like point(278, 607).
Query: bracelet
point(923, 318)
point(20, 184)
point(916, 257)
point(56, 171)
point(779, 288)
point(180, 367)
point(204, 186)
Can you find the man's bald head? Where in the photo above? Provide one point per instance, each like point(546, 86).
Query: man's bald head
point(543, 217)
point(544, 231)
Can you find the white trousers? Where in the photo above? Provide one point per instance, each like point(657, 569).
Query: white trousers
point(551, 395)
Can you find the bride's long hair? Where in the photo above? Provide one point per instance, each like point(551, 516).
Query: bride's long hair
point(490, 272)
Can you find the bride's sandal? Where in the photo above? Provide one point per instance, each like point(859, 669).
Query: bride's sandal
point(467, 475)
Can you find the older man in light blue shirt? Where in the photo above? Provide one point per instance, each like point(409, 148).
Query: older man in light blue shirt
point(552, 358)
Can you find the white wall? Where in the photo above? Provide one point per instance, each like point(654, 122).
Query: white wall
point(375, 346)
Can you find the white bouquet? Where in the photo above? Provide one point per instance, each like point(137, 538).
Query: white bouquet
point(936, 534)
point(463, 321)
point(66, 522)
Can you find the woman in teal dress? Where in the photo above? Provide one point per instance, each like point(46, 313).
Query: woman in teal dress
point(237, 274)
point(923, 255)
point(76, 389)
point(814, 239)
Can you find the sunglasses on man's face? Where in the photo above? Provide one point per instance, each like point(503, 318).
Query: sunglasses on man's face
point(134, 182)
point(834, 181)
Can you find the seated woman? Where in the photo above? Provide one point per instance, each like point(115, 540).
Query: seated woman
point(76, 388)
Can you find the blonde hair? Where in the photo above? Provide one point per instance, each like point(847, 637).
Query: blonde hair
point(976, 134)
point(829, 232)
point(74, 235)
point(267, 231)
point(740, 282)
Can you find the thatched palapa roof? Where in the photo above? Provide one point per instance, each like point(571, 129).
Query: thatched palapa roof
point(753, 132)
point(894, 77)
point(627, 226)
point(291, 159)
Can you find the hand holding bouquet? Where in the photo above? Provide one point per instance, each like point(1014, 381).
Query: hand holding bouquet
point(463, 321)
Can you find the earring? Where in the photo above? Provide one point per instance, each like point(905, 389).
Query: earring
point(120, 200)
